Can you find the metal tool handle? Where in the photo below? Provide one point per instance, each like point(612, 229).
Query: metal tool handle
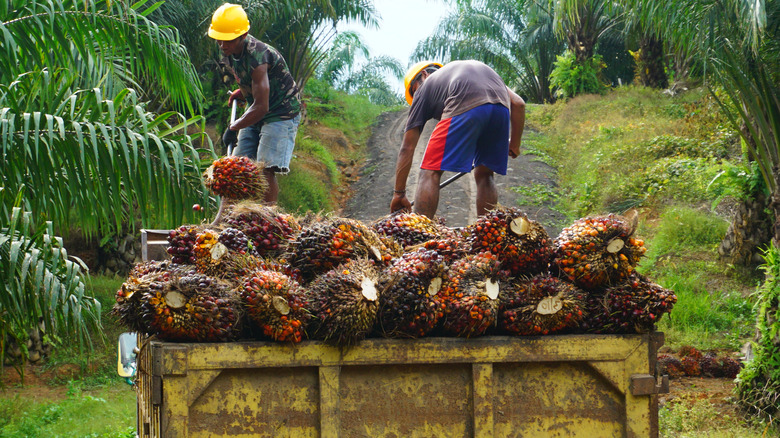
point(449, 181)
point(232, 119)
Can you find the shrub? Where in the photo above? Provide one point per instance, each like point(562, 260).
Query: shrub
point(571, 78)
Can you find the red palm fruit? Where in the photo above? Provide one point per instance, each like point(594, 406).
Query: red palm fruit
point(277, 304)
point(144, 277)
point(691, 366)
point(488, 233)
point(730, 367)
point(711, 365)
point(469, 295)
point(670, 366)
point(181, 242)
point(408, 229)
point(598, 251)
point(408, 307)
point(237, 178)
point(689, 350)
point(268, 230)
point(541, 305)
point(450, 248)
point(345, 301)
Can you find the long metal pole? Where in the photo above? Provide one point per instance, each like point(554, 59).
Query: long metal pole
point(449, 181)
point(232, 119)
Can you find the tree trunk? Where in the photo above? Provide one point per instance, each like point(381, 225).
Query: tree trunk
point(651, 66)
point(774, 205)
point(748, 234)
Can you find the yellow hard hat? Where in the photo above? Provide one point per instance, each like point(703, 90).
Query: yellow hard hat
point(414, 71)
point(228, 22)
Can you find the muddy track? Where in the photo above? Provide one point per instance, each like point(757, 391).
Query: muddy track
point(374, 188)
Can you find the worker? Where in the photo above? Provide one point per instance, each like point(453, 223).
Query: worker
point(480, 125)
point(266, 131)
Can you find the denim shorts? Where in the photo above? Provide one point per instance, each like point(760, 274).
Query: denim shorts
point(272, 143)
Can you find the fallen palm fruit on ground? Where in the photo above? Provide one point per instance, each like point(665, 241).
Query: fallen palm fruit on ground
point(236, 178)
point(277, 304)
point(541, 305)
point(408, 306)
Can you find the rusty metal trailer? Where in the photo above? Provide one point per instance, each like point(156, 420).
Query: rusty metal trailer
point(551, 386)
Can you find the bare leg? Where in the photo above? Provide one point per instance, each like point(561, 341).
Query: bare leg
point(426, 200)
point(272, 194)
point(487, 194)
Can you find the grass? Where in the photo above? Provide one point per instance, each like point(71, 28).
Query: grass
point(690, 417)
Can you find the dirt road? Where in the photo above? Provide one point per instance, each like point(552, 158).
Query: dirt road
point(373, 191)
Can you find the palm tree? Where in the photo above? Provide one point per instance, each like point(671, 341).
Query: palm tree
point(514, 37)
point(582, 22)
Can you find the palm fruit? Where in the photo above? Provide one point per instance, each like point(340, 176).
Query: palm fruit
point(541, 305)
point(408, 307)
point(689, 350)
point(209, 252)
point(450, 248)
point(181, 242)
point(598, 251)
point(321, 246)
point(711, 365)
point(730, 367)
point(277, 304)
point(235, 177)
point(631, 307)
point(144, 277)
point(191, 307)
point(408, 229)
point(267, 229)
point(234, 240)
point(670, 366)
point(691, 366)
point(469, 295)
point(345, 301)
point(488, 233)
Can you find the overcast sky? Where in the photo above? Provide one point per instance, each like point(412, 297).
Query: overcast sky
point(402, 24)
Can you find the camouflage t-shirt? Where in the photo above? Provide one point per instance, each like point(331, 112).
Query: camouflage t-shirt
point(283, 100)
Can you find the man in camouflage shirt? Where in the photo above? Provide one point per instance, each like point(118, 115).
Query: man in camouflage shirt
point(266, 131)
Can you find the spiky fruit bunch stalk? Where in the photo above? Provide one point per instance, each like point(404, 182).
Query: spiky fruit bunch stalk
point(235, 177)
point(322, 246)
point(670, 366)
point(181, 242)
point(234, 240)
point(268, 230)
point(469, 295)
point(345, 301)
point(191, 307)
point(277, 304)
point(408, 229)
point(598, 251)
point(408, 307)
point(541, 305)
point(634, 306)
point(144, 277)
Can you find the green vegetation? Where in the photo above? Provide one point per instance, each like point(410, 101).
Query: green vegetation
point(693, 418)
point(571, 78)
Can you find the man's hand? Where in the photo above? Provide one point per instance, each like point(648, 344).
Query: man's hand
point(229, 137)
point(514, 150)
point(235, 95)
point(400, 202)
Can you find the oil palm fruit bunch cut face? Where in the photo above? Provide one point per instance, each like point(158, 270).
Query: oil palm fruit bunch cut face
point(267, 229)
point(277, 304)
point(143, 278)
point(321, 246)
point(470, 294)
point(408, 229)
point(181, 242)
point(541, 305)
point(634, 306)
point(408, 306)
point(236, 177)
point(345, 301)
point(191, 307)
point(598, 251)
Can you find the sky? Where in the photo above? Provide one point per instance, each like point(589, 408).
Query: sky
point(402, 24)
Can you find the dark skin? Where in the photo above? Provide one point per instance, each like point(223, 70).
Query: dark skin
point(426, 198)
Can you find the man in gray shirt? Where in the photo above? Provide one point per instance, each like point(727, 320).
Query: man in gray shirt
point(480, 126)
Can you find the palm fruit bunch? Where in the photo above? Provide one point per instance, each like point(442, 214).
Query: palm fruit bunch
point(527, 247)
point(321, 246)
point(670, 365)
point(180, 244)
point(598, 251)
point(345, 301)
point(267, 229)
point(408, 307)
point(209, 252)
point(234, 240)
point(541, 305)
point(713, 365)
point(191, 307)
point(689, 350)
point(488, 233)
point(690, 366)
point(277, 304)
point(470, 295)
point(730, 367)
point(235, 177)
point(450, 248)
point(144, 277)
point(408, 229)
point(631, 307)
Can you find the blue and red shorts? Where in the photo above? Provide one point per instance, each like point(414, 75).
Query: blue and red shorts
point(478, 137)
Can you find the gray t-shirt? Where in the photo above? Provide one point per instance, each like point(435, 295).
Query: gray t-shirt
point(454, 89)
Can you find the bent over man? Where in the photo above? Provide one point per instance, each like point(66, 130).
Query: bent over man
point(266, 131)
point(480, 126)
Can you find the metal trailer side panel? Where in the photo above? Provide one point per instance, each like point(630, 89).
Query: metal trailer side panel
point(552, 386)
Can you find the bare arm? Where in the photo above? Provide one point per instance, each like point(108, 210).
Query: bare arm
point(402, 167)
point(260, 93)
point(517, 120)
